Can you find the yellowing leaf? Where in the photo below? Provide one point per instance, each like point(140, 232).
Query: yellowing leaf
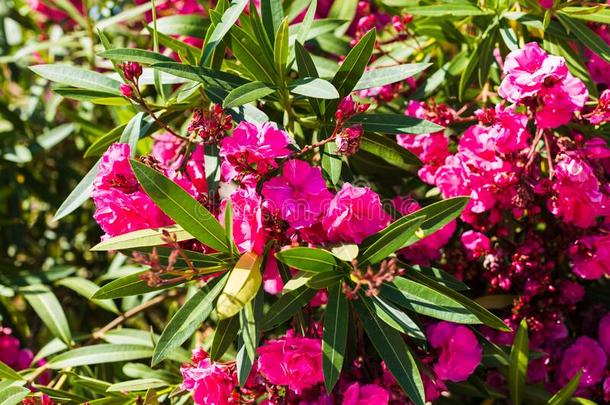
point(242, 285)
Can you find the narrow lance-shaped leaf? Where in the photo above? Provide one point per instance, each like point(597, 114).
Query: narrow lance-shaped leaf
point(517, 369)
point(181, 207)
point(247, 93)
point(134, 55)
point(308, 259)
point(313, 87)
point(225, 333)
point(392, 349)
point(187, 319)
point(377, 247)
point(285, 308)
point(99, 354)
point(228, 19)
point(242, 285)
point(50, 311)
point(8, 373)
point(78, 77)
point(393, 124)
point(249, 337)
point(389, 75)
point(142, 238)
point(353, 66)
point(565, 393)
point(79, 195)
point(335, 335)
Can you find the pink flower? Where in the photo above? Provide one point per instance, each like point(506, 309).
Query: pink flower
point(10, 352)
point(591, 256)
point(295, 362)
point(577, 195)
point(251, 151)
point(429, 248)
point(357, 394)
point(601, 114)
point(460, 350)
point(348, 140)
point(169, 150)
point(210, 383)
point(571, 292)
point(527, 70)
point(559, 102)
point(598, 67)
point(354, 213)
point(604, 333)
point(300, 194)
point(546, 3)
point(248, 230)
point(586, 355)
point(120, 203)
point(476, 244)
point(272, 281)
point(432, 387)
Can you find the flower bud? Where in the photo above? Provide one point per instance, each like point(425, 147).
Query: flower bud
point(132, 70)
point(126, 90)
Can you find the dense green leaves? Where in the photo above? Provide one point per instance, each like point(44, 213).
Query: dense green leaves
point(308, 259)
point(589, 38)
point(228, 19)
point(284, 308)
point(50, 311)
point(377, 247)
point(389, 151)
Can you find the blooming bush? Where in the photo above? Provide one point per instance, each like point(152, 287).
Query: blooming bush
point(302, 202)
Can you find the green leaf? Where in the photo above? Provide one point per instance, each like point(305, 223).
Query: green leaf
point(426, 301)
point(345, 9)
point(397, 319)
point(78, 77)
point(393, 124)
point(134, 55)
point(480, 58)
point(284, 308)
point(242, 285)
point(225, 333)
point(280, 49)
point(353, 66)
point(272, 15)
point(345, 251)
point(247, 93)
point(585, 35)
point(8, 373)
point(201, 74)
point(190, 25)
point(126, 286)
point(331, 162)
point(141, 384)
point(481, 313)
point(323, 280)
point(79, 195)
point(597, 14)
point(388, 75)
point(87, 289)
point(379, 246)
point(245, 49)
point(305, 26)
point(447, 10)
point(517, 369)
point(313, 87)
point(307, 68)
point(246, 354)
point(392, 349)
point(142, 238)
point(308, 259)
point(334, 338)
point(565, 393)
point(99, 354)
point(229, 18)
point(187, 319)
point(441, 277)
point(12, 395)
point(181, 207)
point(50, 311)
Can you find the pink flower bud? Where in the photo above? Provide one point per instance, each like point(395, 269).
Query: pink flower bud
point(126, 90)
point(132, 70)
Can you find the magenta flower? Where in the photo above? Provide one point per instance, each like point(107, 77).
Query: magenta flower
point(354, 213)
point(210, 383)
point(587, 355)
point(11, 352)
point(476, 244)
point(357, 394)
point(560, 101)
point(251, 151)
point(120, 203)
point(248, 230)
point(295, 362)
point(460, 352)
point(299, 195)
point(577, 195)
point(527, 71)
point(604, 333)
point(169, 150)
point(591, 256)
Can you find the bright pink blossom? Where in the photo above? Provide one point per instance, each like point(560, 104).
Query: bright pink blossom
point(248, 230)
point(577, 198)
point(251, 151)
point(604, 333)
point(354, 213)
point(357, 394)
point(11, 352)
point(299, 195)
point(597, 66)
point(546, 3)
point(475, 243)
point(591, 256)
point(460, 352)
point(560, 101)
point(272, 281)
point(210, 383)
point(295, 362)
point(169, 151)
point(587, 355)
point(120, 203)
